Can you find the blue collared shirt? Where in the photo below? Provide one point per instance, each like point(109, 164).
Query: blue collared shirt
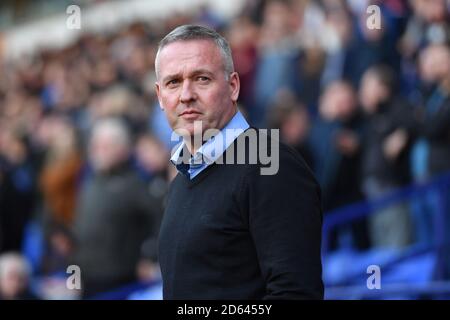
point(212, 149)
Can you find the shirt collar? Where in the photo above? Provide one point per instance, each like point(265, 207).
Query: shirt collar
point(212, 149)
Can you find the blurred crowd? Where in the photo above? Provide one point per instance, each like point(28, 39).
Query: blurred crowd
point(84, 146)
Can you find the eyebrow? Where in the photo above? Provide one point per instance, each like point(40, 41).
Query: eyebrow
point(192, 74)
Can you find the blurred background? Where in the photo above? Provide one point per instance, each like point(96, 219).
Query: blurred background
point(84, 147)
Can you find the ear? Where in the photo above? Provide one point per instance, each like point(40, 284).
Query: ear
point(158, 94)
point(235, 86)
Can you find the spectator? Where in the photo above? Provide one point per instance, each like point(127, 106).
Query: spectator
point(292, 119)
point(431, 152)
point(61, 172)
point(115, 212)
point(243, 36)
point(336, 139)
point(277, 52)
point(17, 188)
point(427, 25)
point(434, 118)
point(15, 273)
point(385, 155)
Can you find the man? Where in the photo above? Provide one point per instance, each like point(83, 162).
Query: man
point(431, 153)
point(336, 139)
point(385, 155)
point(229, 230)
point(433, 119)
point(115, 213)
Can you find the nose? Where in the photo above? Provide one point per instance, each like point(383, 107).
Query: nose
point(187, 94)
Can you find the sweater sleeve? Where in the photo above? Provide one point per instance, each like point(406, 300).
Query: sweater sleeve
point(285, 221)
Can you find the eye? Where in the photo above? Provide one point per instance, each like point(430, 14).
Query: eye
point(172, 82)
point(203, 79)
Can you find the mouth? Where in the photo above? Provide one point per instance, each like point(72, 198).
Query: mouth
point(190, 114)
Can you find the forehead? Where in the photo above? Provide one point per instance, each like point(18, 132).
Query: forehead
point(185, 55)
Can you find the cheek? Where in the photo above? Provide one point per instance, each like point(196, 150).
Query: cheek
point(169, 101)
point(213, 101)
point(169, 105)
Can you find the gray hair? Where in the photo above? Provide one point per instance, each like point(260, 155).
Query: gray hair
point(195, 32)
point(115, 129)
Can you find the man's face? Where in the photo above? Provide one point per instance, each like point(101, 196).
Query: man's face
point(372, 92)
point(434, 63)
point(106, 152)
point(192, 86)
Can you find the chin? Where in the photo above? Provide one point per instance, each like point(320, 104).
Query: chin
point(187, 130)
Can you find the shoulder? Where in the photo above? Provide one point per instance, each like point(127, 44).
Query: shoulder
point(275, 161)
point(283, 185)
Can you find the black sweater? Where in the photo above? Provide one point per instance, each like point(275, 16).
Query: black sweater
point(232, 233)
